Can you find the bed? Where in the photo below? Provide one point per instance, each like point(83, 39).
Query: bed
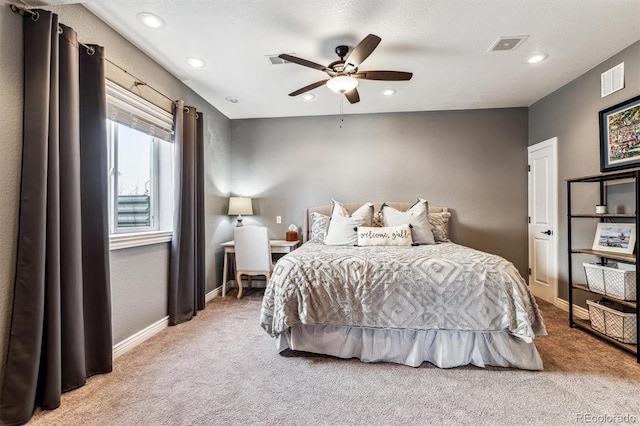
point(441, 302)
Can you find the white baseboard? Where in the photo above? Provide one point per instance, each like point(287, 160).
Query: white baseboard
point(133, 341)
point(578, 311)
point(213, 293)
point(155, 328)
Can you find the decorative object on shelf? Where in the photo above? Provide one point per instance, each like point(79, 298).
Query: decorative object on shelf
point(240, 206)
point(292, 233)
point(612, 279)
point(620, 135)
point(615, 237)
point(614, 320)
point(600, 209)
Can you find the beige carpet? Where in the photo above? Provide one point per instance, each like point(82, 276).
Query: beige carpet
point(222, 369)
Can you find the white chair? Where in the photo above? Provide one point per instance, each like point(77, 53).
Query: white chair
point(253, 254)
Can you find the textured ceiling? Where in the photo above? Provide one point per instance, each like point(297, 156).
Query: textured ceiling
point(444, 43)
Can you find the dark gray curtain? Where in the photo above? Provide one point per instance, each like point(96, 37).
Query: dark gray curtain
point(61, 324)
point(187, 283)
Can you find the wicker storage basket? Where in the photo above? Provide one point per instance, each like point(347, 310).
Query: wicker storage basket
point(613, 319)
point(612, 279)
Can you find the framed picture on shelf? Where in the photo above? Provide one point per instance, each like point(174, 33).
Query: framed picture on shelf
point(620, 136)
point(615, 237)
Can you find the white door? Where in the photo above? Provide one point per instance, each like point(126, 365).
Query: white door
point(543, 220)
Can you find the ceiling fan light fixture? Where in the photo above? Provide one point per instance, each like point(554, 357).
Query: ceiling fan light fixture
point(342, 83)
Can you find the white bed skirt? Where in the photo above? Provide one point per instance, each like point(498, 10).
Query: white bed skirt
point(443, 348)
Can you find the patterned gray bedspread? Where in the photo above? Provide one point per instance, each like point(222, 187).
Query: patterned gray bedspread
point(444, 286)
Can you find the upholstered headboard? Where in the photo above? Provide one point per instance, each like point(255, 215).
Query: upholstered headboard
point(377, 205)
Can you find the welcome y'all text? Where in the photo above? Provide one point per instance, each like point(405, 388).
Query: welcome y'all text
point(393, 235)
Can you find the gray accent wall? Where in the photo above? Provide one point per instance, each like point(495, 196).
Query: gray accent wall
point(473, 162)
point(139, 276)
point(571, 114)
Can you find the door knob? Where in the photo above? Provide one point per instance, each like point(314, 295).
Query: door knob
point(548, 232)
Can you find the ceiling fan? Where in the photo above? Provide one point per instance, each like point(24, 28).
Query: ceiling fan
point(344, 73)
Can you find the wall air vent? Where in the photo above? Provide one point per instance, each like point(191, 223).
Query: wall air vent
point(274, 60)
point(507, 43)
point(612, 80)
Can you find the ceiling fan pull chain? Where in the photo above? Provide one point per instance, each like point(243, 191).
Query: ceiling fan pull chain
point(341, 119)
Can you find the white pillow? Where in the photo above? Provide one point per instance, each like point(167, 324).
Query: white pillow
point(385, 236)
point(417, 216)
point(342, 226)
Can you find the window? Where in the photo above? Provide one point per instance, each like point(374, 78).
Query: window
point(133, 184)
point(140, 170)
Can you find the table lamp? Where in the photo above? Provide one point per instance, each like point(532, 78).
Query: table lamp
point(240, 206)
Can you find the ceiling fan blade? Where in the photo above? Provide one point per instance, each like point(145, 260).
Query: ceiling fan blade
point(384, 75)
point(352, 96)
point(308, 88)
point(302, 62)
point(362, 51)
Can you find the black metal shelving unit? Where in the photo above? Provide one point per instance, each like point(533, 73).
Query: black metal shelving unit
point(624, 176)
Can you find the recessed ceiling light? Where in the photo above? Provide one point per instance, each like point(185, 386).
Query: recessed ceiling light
point(308, 96)
point(538, 57)
point(232, 99)
point(388, 92)
point(196, 62)
point(151, 20)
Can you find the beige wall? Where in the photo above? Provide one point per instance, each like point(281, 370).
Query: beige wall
point(571, 114)
point(473, 162)
point(138, 299)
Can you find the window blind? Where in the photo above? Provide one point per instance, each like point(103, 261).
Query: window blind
point(131, 110)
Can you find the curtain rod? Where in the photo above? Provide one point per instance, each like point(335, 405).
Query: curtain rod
point(16, 8)
point(139, 82)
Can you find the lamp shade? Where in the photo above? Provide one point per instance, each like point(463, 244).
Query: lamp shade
point(240, 206)
point(342, 83)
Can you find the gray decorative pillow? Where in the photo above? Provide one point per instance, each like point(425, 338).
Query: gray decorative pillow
point(318, 224)
point(440, 226)
point(377, 219)
point(417, 216)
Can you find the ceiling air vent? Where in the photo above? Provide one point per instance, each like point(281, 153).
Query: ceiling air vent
point(274, 60)
point(507, 43)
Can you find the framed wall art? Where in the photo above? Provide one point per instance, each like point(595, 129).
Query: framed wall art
point(615, 237)
point(620, 136)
